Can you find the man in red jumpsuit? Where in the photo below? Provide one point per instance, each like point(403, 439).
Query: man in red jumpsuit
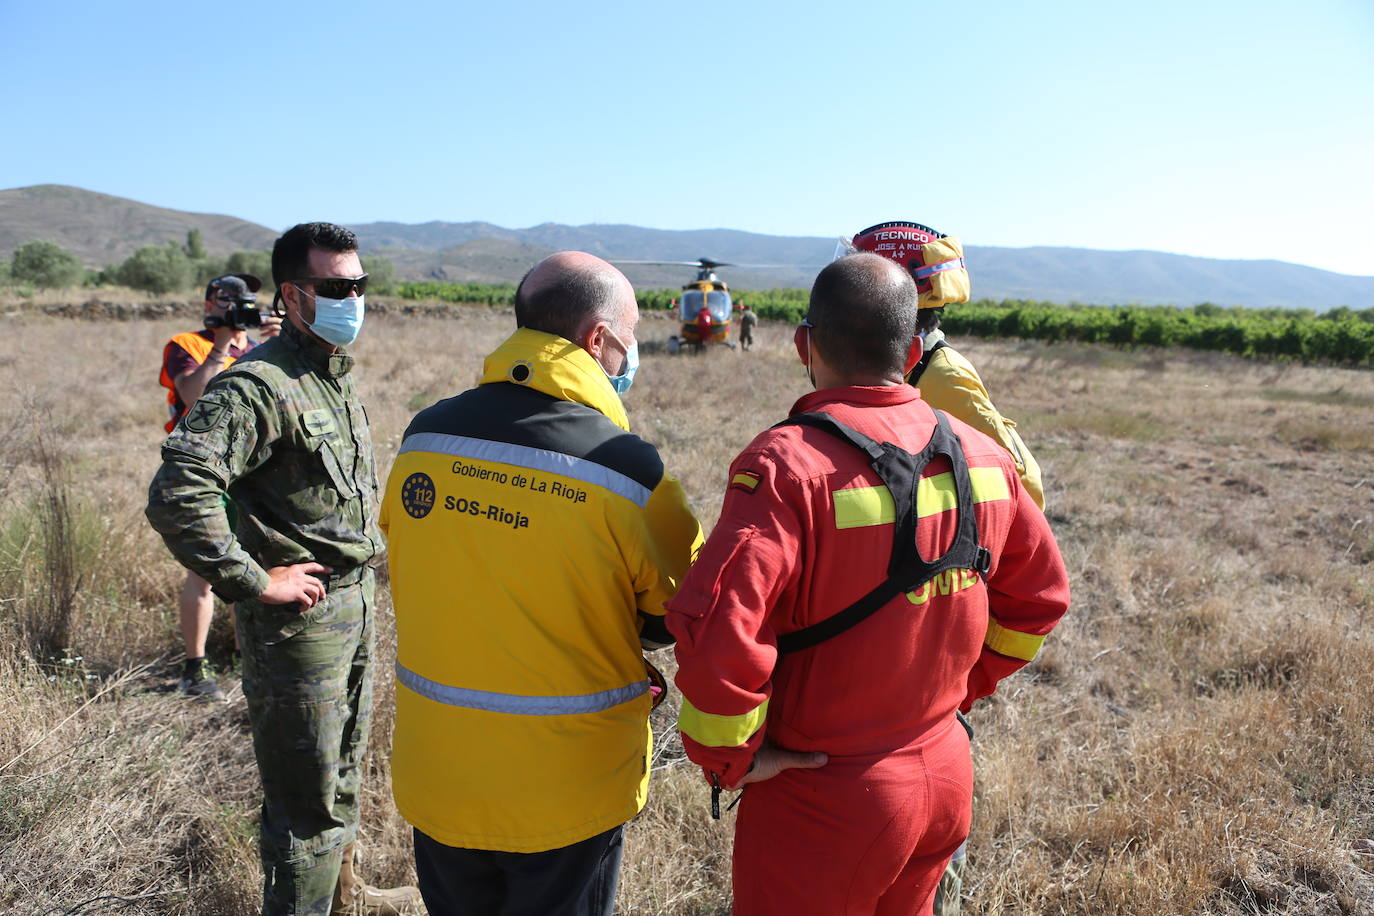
point(860, 779)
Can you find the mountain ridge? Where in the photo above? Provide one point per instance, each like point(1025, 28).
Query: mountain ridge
point(103, 229)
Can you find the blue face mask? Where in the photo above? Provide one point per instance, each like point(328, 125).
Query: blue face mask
point(337, 321)
point(622, 382)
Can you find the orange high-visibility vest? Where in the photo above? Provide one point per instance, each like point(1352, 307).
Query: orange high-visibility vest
point(199, 348)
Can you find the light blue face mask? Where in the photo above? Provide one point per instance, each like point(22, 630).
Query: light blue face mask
point(622, 382)
point(337, 321)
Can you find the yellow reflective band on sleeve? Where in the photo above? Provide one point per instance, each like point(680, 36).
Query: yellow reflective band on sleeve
point(989, 485)
point(860, 507)
point(719, 731)
point(1011, 643)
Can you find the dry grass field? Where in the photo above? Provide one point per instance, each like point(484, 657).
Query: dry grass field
point(1196, 738)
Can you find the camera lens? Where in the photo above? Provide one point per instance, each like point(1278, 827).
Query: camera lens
point(242, 317)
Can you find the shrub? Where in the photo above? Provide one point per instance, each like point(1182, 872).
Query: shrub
point(195, 245)
point(257, 263)
point(157, 269)
point(381, 273)
point(46, 265)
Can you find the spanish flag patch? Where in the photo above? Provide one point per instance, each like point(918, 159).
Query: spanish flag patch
point(747, 481)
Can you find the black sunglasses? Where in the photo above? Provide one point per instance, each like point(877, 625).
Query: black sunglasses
point(335, 287)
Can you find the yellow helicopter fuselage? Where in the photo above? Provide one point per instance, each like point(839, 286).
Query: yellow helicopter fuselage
point(712, 295)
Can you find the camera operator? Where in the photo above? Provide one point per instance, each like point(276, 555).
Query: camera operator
point(189, 361)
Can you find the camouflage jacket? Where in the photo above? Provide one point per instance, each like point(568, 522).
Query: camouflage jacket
point(283, 435)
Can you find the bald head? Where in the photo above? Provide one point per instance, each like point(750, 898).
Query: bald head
point(863, 307)
point(567, 292)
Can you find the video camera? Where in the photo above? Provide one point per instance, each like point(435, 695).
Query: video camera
point(237, 293)
point(240, 316)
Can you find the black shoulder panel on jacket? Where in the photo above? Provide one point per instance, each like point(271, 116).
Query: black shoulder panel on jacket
point(505, 412)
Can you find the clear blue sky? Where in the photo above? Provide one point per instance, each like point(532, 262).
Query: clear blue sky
point(1221, 129)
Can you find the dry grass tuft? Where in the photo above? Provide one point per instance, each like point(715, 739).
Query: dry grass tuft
point(1312, 434)
point(1197, 737)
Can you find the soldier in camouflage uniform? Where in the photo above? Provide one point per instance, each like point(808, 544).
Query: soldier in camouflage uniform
point(284, 435)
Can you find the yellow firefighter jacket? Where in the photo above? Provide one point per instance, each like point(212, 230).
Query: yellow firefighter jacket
point(950, 383)
point(532, 543)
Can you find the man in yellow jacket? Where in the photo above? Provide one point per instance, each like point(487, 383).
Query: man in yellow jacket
point(533, 541)
point(946, 378)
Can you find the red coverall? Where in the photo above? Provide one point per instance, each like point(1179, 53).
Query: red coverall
point(804, 532)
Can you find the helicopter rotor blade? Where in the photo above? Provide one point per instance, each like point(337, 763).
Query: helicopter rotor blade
point(663, 263)
point(776, 266)
point(710, 264)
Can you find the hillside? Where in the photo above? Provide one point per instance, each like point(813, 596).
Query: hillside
point(478, 260)
point(103, 229)
point(1043, 273)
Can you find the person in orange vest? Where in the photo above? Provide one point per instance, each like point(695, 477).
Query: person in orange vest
point(877, 567)
point(189, 361)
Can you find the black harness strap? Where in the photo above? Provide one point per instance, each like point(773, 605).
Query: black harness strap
point(900, 471)
point(914, 375)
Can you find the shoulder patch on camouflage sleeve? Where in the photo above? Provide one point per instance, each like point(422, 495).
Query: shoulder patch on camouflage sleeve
point(317, 422)
point(205, 416)
point(747, 481)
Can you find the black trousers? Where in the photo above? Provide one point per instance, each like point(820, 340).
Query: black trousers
point(577, 880)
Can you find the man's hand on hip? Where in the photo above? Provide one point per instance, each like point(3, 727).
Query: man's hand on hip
point(771, 760)
point(295, 585)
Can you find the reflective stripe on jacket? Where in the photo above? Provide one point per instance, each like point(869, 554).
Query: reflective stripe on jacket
point(532, 542)
point(950, 383)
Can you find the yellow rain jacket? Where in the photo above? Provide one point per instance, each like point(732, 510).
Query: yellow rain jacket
point(532, 543)
point(950, 383)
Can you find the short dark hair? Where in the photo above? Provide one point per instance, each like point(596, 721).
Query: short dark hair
point(291, 252)
point(864, 314)
point(564, 304)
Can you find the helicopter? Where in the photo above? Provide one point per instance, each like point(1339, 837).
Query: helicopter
point(707, 292)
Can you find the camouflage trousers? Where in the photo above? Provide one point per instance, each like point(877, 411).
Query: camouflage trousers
point(308, 681)
point(947, 895)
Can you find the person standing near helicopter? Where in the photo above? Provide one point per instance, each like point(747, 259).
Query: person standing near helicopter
point(747, 320)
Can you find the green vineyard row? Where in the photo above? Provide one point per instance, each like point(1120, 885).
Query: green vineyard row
point(1341, 336)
